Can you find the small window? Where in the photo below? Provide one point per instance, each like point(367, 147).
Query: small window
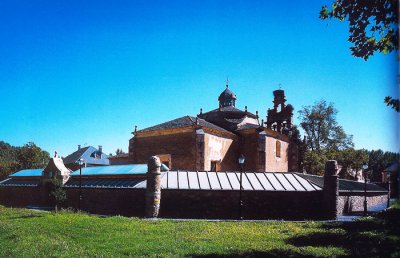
point(278, 149)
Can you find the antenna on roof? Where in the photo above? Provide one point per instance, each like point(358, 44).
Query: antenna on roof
point(201, 111)
point(135, 128)
point(227, 82)
point(280, 86)
point(245, 108)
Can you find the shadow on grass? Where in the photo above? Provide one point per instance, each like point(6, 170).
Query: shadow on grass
point(373, 237)
point(27, 216)
point(258, 254)
point(377, 236)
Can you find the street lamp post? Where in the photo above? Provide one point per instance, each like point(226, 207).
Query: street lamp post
point(365, 167)
point(80, 161)
point(241, 162)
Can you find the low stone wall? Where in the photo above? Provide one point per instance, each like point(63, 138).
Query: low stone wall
point(354, 202)
point(225, 204)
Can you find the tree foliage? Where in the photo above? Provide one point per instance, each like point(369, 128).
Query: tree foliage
point(373, 26)
point(327, 140)
point(379, 160)
point(350, 161)
point(16, 158)
point(321, 128)
point(56, 192)
point(119, 151)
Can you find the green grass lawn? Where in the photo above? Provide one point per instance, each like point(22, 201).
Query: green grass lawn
point(25, 233)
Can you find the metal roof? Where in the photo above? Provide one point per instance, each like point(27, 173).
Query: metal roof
point(230, 181)
point(193, 180)
point(183, 122)
point(114, 170)
point(14, 182)
point(28, 172)
point(106, 183)
point(344, 185)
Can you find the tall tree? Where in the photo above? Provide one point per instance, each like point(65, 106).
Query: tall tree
point(321, 128)
point(373, 27)
point(326, 140)
point(31, 156)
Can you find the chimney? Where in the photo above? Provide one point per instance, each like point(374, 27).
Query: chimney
point(100, 149)
point(79, 146)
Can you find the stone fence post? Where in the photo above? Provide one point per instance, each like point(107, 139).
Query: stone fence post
point(331, 190)
point(153, 189)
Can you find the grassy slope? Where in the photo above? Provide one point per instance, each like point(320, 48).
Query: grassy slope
point(25, 233)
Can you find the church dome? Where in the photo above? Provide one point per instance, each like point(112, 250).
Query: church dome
point(227, 98)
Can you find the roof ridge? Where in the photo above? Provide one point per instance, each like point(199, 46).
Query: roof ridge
point(190, 117)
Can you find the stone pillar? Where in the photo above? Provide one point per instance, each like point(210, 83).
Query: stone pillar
point(331, 190)
point(153, 189)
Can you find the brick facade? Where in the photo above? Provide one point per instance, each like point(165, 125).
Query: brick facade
point(181, 146)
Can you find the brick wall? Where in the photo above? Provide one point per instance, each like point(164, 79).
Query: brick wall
point(22, 196)
point(224, 204)
point(181, 147)
point(274, 163)
point(108, 201)
point(250, 150)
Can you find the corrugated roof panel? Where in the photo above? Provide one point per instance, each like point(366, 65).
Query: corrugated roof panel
point(183, 180)
point(105, 183)
point(254, 181)
point(164, 180)
point(245, 182)
point(274, 181)
point(172, 180)
point(214, 181)
point(234, 180)
point(13, 182)
point(305, 183)
point(282, 179)
point(294, 182)
point(204, 184)
point(264, 181)
point(28, 172)
point(224, 181)
point(193, 180)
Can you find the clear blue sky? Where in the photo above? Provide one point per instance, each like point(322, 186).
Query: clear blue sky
point(86, 72)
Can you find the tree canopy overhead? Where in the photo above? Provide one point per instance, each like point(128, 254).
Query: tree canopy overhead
point(373, 24)
point(373, 27)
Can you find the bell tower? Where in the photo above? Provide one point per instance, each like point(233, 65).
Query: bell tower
point(280, 117)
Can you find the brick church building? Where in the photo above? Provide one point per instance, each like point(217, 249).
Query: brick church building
point(213, 141)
